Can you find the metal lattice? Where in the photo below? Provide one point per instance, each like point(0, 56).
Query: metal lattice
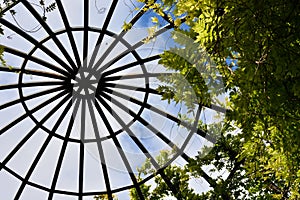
point(79, 109)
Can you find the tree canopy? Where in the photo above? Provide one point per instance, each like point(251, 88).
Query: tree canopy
point(256, 45)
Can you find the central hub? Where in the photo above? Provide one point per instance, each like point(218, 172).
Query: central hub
point(85, 83)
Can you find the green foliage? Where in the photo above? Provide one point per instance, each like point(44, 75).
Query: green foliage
point(104, 197)
point(178, 177)
point(196, 80)
point(3, 62)
point(127, 26)
point(263, 39)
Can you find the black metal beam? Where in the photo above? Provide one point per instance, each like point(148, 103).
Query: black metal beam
point(101, 36)
point(100, 149)
point(69, 32)
point(160, 112)
point(46, 143)
point(63, 150)
point(35, 43)
point(51, 33)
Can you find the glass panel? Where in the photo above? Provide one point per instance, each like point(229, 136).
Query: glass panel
point(44, 171)
point(68, 176)
point(9, 185)
point(33, 193)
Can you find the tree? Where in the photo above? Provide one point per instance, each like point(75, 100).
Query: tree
point(262, 42)
point(104, 197)
point(178, 176)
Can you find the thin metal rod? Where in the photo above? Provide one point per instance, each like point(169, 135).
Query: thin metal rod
point(33, 130)
point(35, 43)
point(134, 76)
point(51, 33)
point(44, 146)
point(139, 144)
point(100, 68)
point(214, 107)
point(81, 150)
point(33, 72)
point(119, 147)
point(160, 112)
point(85, 34)
point(28, 85)
point(101, 36)
point(129, 132)
point(121, 35)
point(63, 150)
point(100, 150)
point(81, 171)
point(38, 61)
point(142, 121)
point(128, 66)
point(29, 113)
point(32, 96)
point(69, 32)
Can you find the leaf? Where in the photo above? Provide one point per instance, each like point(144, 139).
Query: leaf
point(177, 22)
point(51, 7)
point(42, 2)
point(126, 26)
point(154, 20)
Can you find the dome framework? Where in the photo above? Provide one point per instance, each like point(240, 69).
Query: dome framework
point(78, 98)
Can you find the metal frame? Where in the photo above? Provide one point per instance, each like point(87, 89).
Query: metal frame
point(64, 87)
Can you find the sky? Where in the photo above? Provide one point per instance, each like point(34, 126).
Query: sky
point(68, 177)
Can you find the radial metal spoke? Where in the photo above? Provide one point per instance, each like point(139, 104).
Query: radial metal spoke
point(33, 130)
point(50, 32)
point(126, 52)
point(101, 36)
point(28, 85)
point(135, 76)
point(100, 150)
point(63, 150)
point(30, 112)
point(129, 65)
point(81, 150)
point(154, 91)
point(85, 34)
point(128, 87)
point(151, 128)
point(33, 72)
point(140, 145)
point(32, 96)
point(38, 61)
point(35, 43)
point(129, 132)
point(142, 121)
point(119, 148)
point(162, 113)
point(44, 146)
point(81, 171)
point(120, 37)
point(161, 172)
point(69, 32)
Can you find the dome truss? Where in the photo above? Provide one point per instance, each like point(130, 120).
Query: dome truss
point(85, 84)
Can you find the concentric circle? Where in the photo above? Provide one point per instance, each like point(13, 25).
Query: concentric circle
point(79, 106)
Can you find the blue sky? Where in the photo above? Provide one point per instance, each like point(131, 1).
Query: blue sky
point(68, 177)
